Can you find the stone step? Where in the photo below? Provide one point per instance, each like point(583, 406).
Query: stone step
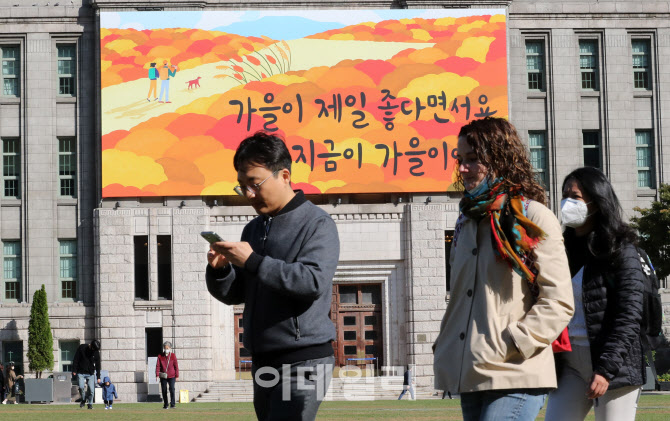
point(369, 388)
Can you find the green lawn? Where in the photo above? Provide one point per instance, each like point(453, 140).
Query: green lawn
point(651, 408)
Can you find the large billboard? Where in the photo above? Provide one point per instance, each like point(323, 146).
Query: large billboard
point(367, 101)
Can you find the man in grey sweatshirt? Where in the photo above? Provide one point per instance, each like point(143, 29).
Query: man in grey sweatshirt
point(282, 271)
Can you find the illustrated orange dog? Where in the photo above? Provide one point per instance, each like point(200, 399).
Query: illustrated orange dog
point(195, 83)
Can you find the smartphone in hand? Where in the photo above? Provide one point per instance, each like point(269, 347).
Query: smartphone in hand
point(211, 236)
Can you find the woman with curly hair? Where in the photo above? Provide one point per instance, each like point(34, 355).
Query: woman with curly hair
point(606, 366)
point(511, 294)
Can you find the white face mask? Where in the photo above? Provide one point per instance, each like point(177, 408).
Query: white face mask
point(573, 213)
point(167, 351)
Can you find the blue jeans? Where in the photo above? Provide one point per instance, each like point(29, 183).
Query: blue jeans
point(499, 405)
point(165, 89)
point(86, 379)
point(405, 389)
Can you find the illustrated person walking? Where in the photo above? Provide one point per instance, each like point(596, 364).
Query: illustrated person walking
point(282, 271)
point(511, 294)
point(11, 384)
point(165, 73)
point(86, 367)
point(605, 369)
point(407, 384)
point(153, 80)
point(167, 371)
point(108, 392)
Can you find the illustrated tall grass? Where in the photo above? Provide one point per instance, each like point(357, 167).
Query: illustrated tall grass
point(258, 64)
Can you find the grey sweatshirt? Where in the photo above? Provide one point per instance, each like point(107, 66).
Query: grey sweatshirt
point(286, 284)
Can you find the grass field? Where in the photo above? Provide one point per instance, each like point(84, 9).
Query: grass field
point(651, 408)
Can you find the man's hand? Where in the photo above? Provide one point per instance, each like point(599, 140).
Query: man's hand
point(235, 253)
point(598, 387)
point(215, 259)
point(157, 378)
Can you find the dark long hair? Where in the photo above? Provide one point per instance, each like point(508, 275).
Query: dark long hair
point(610, 232)
point(498, 146)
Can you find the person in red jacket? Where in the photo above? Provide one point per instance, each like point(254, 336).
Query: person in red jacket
point(167, 370)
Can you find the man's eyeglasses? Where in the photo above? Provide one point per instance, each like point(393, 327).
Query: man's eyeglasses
point(253, 188)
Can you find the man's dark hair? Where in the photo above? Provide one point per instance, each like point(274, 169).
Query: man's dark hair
point(263, 149)
point(95, 345)
point(153, 64)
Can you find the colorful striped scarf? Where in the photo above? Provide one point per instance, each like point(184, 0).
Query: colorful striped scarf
point(514, 236)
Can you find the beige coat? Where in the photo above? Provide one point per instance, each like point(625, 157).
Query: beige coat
point(493, 334)
point(10, 380)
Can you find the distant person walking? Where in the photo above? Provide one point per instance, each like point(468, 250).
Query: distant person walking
point(10, 382)
point(86, 366)
point(167, 370)
point(153, 81)
point(108, 392)
point(606, 368)
point(407, 384)
point(165, 73)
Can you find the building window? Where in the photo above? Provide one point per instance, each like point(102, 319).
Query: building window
point(141, 267)
point(11, 269)
point(13, 351)
point(537, 142)
point(641, 64)
point(67, 69)
point(591, 145)
point(10, 70)
point(68, 268)
point(67, 351)
point(535, 65)
point(164, 258)
point(67, 166)
point(645, 158)
point(242, 355)
point(11, 168)
point(588, 64)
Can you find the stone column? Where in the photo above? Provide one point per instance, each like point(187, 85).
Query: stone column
point(426, 283)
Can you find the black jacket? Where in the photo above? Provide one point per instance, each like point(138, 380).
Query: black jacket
point(86, 361)
point(612, 295)
point(286, 284)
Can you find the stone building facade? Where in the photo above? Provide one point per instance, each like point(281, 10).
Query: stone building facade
point(56, 229)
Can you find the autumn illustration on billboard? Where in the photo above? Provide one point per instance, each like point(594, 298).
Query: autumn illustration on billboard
point(367, 101)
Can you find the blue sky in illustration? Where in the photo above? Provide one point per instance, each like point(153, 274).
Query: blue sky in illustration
point(280, 24)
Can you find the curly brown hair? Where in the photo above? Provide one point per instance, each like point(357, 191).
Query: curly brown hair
point(499, 148)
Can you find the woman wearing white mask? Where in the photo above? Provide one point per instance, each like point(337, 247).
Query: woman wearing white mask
point(510, 283)
point(605, 368)
point(167, 370)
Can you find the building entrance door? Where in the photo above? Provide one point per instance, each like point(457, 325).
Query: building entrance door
point(357, 316)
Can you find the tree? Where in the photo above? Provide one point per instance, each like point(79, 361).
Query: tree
point(653, 225)
point(40, 341)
